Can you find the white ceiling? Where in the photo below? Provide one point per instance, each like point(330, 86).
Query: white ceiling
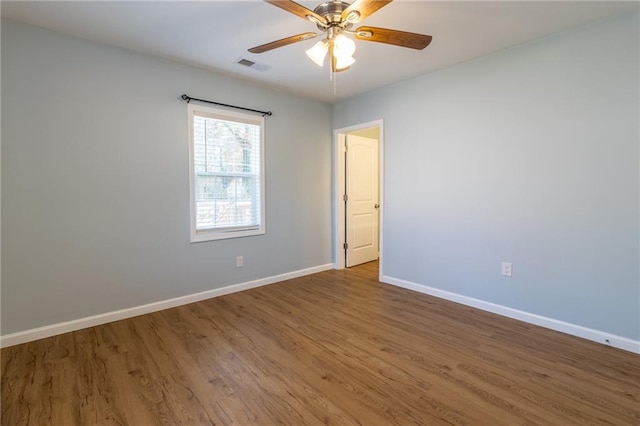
point(214, 34)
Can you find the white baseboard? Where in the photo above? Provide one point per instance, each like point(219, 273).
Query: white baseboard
point(77, 324)
point(553, 324)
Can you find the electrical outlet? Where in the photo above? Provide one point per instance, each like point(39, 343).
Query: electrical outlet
point(239, 261)
point(507, 269)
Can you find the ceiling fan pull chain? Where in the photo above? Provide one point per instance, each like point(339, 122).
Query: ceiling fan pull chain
point(335, 82)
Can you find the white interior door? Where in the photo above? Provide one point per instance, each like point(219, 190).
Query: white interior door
point(362, 200)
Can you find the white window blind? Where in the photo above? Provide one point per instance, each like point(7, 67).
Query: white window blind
point(227, 174)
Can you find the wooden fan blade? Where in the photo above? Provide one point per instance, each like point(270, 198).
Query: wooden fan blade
point(297, 9)
point(364, 8)
point(395, 37)
point(282, 42)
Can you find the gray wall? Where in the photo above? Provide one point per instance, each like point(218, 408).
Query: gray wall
point(529, 155)
point(95, 181)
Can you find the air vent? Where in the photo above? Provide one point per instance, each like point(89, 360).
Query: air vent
point(253, 65)
point(246, 62)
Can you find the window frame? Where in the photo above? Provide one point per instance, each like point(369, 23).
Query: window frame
point(213, 234)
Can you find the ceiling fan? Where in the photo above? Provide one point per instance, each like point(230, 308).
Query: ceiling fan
point(334, 19)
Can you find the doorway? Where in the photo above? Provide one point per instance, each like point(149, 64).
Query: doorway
point(358, 207)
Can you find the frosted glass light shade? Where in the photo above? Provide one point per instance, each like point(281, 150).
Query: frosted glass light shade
point(343, 63)
point(318, 52)
point(343, 47)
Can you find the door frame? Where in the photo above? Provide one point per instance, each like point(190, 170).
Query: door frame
point(339, 136)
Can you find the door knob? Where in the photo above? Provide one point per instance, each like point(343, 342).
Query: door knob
point(377, 206)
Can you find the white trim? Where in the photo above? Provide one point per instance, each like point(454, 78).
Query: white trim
point(77, 324)
point(553, 324)
point(339, 136)
point(213, 234)
point(338, 190)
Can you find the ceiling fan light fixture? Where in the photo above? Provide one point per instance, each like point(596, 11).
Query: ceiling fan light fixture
point(318, 52)
point(343, 63)
point(343, 50)
point(343, 46)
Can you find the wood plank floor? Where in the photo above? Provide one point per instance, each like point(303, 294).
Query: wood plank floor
point(336, 347)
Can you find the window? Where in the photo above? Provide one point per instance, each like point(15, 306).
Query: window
point(226, 166)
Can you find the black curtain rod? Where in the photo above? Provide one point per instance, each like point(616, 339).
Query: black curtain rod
point(189, 99)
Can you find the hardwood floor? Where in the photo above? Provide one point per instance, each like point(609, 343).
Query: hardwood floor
point(336, 347)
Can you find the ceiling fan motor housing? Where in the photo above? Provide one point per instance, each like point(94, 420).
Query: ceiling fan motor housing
point(331, 11)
